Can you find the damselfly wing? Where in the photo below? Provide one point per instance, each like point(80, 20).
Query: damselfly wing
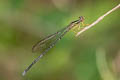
point(45, 43)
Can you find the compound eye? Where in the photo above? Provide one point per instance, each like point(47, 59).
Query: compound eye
point(81, 18)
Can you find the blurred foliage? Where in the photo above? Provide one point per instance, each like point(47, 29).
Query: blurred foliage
point(24, 22)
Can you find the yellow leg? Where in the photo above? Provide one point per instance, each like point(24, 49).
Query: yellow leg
point(81, 27)
point(78, 27)
point(84, 24)
point(74, 29)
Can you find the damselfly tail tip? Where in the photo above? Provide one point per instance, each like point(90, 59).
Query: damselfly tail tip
point(23, 74)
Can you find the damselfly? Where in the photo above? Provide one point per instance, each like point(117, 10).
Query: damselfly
point(58, 35)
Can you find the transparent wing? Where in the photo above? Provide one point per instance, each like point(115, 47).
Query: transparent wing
point(46, 42)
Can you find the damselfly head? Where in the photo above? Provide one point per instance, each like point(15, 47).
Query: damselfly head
point(81, 18)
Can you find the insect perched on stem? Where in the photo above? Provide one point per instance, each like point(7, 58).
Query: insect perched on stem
point(58, 35)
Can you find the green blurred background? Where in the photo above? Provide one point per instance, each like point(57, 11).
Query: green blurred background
point(94, 55)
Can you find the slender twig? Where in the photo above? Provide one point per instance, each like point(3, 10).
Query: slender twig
point(98, 20)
